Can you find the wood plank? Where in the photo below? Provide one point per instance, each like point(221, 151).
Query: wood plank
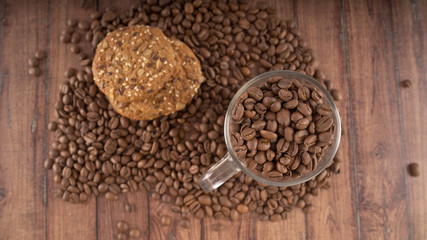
point(65, 220)
point(410, 27)
point(22, 123)
point(174, 231)
point(377, 147)
point(109, 213)
point(295, 226)
point(334, 214)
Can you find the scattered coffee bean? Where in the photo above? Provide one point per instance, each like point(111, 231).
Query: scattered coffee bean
point(123, 226)
point(33, 62)
point(406, 83)
point(414, 169)
point(34, 71)
point(165, 220)
point(70, 73)
point(129, 208)
point(134, 233)
point(40, 54)
point(75, 37)
point(336, 94)
point(75, 48)
point(122, 236)
point(65, 38)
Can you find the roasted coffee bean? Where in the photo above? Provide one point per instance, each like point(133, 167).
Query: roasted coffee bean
point(414, 169)
point(33, 62)
point(122, 226)
point(40, 54)
point(406, 83)
point(34, 71)
point(324, 124)
point(75, 37)
point(122, 236)
point(111, 196)
point(255, 93)
point(135, 233)
point(284, 117)
point(165, 220)
point(336, 94)
point(184, 223)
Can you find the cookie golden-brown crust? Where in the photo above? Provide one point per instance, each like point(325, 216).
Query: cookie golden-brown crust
point(176, 94)
point(133, 63)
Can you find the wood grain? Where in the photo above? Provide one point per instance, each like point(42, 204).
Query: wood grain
point(365, 47)
point(323, 34)
point(61, 216)
point(22, 148)
point(410, 27)
point(378, 152)
point(109, 213)
point(295, 226)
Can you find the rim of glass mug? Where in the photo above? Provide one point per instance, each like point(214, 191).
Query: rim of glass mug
point(290, 181)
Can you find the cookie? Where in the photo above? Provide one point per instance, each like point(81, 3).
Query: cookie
point(173, 97)
point(175, 94)
point(133, 63)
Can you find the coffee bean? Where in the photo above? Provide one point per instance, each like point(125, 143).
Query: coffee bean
point(184, 223)
point(40, 54)
point(129, 208)
point(324, 124)
point(414, 169)
point(122, 236)
point(84, 25)
point(109, 16)
point(111, 196)
point(70, 73)
point(283, 117)
point(165, 220)
point(33, 62)
point(269, 135)
point(248, 133)
point(122, 226)
point(75, 48)
point(75, 37)
point(34, 71)
point(241, 208)
point(65, 38)
point(135, 233)
point(336, 94)
point(405, 83)
point(255, 93)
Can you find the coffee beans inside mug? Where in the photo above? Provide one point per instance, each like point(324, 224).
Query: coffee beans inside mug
point(288, 132)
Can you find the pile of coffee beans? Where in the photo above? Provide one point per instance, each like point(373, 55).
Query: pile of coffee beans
point(98, 152)
point(34, 62)
point(281, 128)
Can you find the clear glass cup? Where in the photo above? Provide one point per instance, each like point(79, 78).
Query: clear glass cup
point(230, 164)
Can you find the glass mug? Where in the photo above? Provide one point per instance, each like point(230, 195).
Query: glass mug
point(230, 164)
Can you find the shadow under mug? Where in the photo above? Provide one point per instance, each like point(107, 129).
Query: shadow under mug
point(230, 164)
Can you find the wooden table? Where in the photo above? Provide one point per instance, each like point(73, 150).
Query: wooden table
point(365, 47)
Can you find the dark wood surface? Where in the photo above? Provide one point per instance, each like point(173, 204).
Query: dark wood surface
point(365, 47)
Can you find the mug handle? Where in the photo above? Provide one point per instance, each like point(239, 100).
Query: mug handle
point(219, 173)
